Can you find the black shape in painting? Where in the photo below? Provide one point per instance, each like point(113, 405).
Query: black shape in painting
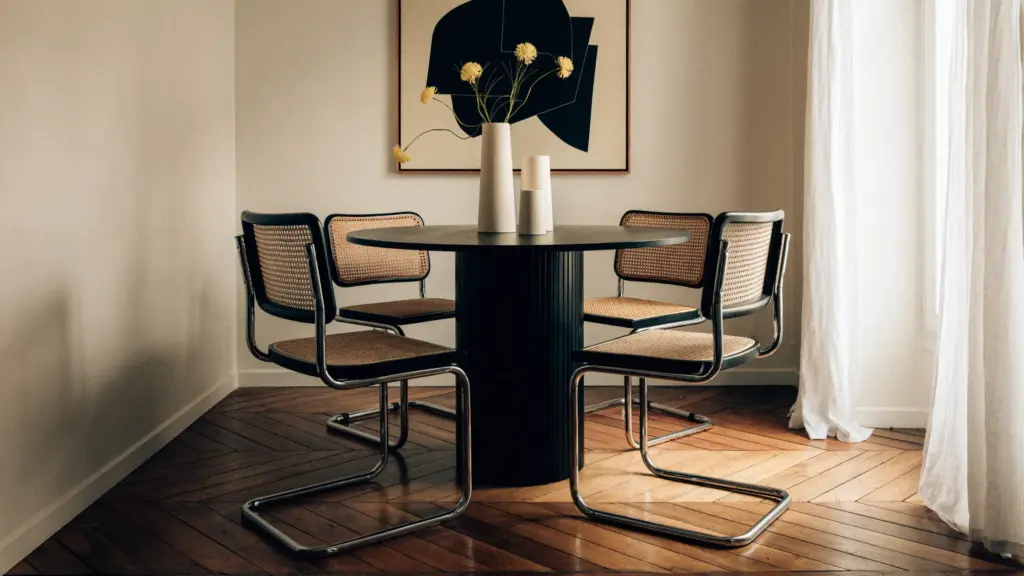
point(487, 31)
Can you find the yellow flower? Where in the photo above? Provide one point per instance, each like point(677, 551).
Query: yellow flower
point(526, 53)
point(471, 72)
point(564, 67)
point(428, 94)
point(400, 156)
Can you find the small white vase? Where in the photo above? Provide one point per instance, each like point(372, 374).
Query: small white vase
point(536, 175)
point(497, 210)
point(532, 221)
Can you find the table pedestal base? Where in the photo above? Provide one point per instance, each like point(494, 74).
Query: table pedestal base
point(520, 317)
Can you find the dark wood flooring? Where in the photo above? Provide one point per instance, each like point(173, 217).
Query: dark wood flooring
point(855, 508)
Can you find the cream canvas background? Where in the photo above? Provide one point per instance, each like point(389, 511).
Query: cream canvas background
point(442, 151)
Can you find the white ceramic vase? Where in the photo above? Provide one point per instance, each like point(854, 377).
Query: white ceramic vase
point(537, 176)
point(497, 210)
point(532, 209)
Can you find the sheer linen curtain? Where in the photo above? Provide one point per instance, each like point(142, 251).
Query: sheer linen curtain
point(830, 334)
point(973, 471)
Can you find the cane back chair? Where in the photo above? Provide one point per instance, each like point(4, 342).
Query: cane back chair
point(745, 265)
point(285, 268)
point(355, 265)
point(678, 264)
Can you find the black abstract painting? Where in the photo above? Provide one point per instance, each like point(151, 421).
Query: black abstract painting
point(570, 109)
point(489, 30)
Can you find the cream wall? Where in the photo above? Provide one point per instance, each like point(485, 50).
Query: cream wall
point(117, 195)
point(716, 125)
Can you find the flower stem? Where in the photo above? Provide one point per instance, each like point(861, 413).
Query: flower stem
point(479, 106)
point(487, 94)
point(505, 101)
point(528, 92)
point(409, 145)
point(516, 85)
point(457, 119)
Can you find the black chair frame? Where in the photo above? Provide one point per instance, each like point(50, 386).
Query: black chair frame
point(325, 312)
point(698, 423)
point(712, 307)
point(342, 423)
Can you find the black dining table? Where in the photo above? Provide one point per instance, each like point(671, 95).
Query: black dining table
point(519, 317)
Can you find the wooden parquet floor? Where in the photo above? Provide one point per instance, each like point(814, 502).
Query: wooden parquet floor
point(855, 506)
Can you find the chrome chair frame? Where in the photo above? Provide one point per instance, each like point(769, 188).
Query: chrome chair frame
point(780, 497)
point(342, 423)
point(251, 514)
point(627, 401)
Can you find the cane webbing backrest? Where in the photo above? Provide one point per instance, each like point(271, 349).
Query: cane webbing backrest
point(276, 253)
point(354, 265)
point(745, 272)
point(754, 241)
point(284, 265)
point(680, 264)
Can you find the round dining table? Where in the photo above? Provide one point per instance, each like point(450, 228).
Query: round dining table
point(519, 317)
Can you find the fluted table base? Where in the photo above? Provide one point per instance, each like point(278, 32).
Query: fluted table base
point(519, 318)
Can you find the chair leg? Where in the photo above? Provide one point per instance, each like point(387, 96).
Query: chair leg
point(251, 510)
point(342, 422)
point(780, 497)
point(702, 422)
point(433, 408)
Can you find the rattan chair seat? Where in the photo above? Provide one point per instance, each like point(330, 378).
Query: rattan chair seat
point(669, 351)
point(358, 355)
point(401, 312)
point(636, 313)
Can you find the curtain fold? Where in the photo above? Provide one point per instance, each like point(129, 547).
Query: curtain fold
point(973, 472)
point(829, 340)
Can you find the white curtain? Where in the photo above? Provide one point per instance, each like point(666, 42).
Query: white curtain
point(973, 472)
point(830, 335)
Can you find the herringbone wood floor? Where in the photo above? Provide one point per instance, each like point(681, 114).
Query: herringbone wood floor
point(855, 508)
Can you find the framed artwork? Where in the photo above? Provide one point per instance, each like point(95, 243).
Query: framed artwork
point(576, 112)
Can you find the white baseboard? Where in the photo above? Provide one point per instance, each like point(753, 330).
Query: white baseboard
point(738, 377)
point(270, 378)
point(758, 377)
point(49, 520)
point(879, 417)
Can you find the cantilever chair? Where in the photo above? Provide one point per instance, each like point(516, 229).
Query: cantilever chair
point(284, 266)
point(680, 265)
point(354, 265)
point(745, 264)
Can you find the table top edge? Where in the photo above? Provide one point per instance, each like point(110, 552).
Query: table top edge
point(669, 236)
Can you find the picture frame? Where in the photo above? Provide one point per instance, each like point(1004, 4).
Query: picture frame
point(595, 134)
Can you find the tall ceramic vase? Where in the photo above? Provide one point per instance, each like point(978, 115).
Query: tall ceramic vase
point(497, 211)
